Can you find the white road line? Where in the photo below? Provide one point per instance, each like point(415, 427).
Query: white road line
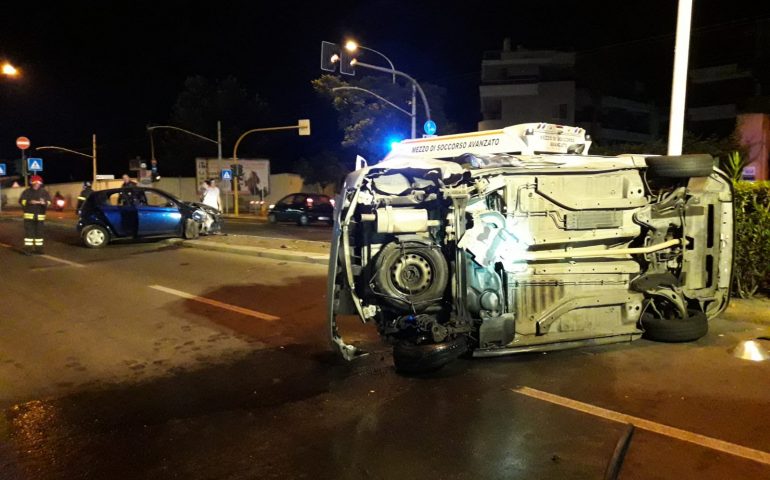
point(215, 303)
point(684, 435)
point(61, 260)
point(50, 257)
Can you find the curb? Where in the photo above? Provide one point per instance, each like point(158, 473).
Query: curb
point(271, 253)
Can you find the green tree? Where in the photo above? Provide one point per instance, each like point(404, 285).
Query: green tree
point(198, 107)
point(369, 124)
point(324, 168)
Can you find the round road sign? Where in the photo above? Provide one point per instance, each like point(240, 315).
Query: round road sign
point(430, 127)
point(22, 143)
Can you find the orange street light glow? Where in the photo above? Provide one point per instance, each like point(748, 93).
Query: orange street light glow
point(9, 70)
point(351, 46)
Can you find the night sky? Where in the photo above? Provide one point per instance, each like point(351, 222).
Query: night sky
point(111, 68)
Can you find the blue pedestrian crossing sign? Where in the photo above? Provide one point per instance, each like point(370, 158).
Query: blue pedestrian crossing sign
point(35, 164)
point(2, 169)
point(227, 174)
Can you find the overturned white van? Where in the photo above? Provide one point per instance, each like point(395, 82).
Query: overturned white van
point(517, 240)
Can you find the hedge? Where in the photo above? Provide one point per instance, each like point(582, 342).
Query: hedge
point(752, 237)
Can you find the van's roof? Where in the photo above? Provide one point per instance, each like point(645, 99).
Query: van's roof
point(526, 138)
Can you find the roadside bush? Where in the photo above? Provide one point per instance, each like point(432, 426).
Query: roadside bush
point(752, 237)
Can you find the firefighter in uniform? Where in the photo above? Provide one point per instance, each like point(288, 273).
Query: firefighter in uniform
point(34, 202)
point(84, 194)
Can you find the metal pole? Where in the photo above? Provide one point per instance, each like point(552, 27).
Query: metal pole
point(93, 183)
point(235, 156)
point(24, 168)
point(392, 67)
point(679, 83)
point(401, 74)
point(414, 111)
point(219, 156)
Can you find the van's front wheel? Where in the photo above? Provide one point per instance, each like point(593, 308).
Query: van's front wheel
point(410, 357)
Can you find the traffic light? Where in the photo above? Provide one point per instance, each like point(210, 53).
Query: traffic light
point(237, 170)
point(348, 61)
point(330, 55)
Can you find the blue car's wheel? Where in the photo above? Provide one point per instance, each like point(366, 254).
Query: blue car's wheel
point(95, 236)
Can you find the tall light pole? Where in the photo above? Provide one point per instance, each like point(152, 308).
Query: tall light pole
point(75, 152)
point(679, 82)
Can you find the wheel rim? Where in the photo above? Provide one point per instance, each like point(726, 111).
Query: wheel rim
point(411, 274)
point(303, 220)
point(95, 237)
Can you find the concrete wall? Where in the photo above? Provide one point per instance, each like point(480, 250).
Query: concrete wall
point(69, 191)
point(184, 188)
point(754, 131)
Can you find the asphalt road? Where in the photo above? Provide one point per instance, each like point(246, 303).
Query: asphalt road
point(152, 361)
point(249, 226)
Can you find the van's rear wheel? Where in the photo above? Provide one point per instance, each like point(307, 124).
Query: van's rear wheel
point(675, 330)
point(680, 166)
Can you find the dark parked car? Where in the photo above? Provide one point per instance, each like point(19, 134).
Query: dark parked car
point(138, 212)
point(303, 208)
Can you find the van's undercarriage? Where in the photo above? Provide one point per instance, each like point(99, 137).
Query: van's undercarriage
point(529, 253)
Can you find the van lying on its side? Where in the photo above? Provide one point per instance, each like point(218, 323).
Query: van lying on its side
point(516, 240)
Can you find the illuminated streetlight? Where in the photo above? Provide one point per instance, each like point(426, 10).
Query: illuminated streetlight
point(9, 70)
point(351, 46)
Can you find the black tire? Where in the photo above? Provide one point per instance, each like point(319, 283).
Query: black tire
point(95, 236)
point(411, 358)
point(303, 220)
point(675, 330)
point(191, 229)
point(411, 275)
point(272, 218)
point(680, 166)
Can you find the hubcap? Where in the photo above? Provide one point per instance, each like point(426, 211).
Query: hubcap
point(95, 237)
point(411, 274)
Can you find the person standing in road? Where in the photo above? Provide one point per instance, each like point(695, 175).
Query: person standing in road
point(84, 195)
point(211, 195)
point(34, 202)
point(126, 197)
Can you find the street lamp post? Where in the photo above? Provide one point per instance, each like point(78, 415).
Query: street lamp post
point(75, 152)
point(679, 81)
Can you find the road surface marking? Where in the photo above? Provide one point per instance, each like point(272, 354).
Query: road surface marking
point(684, 435)
point(61, 260)
point(215, 303)
point(49, 257)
